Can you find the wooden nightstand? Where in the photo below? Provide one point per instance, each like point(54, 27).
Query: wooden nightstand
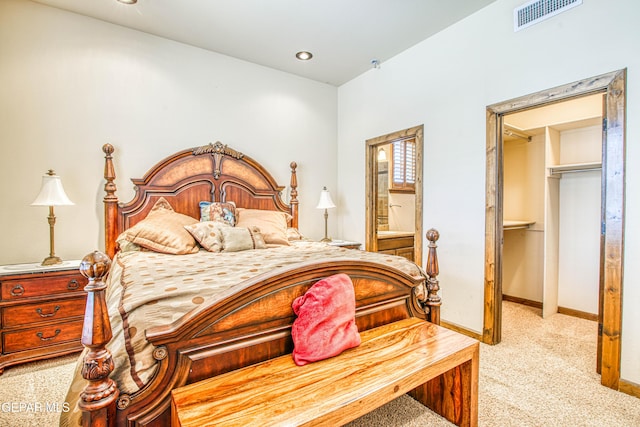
point(345, 244)
point(41, 311)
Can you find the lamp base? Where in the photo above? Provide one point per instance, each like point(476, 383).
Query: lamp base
point(52, 260)
point(326, 240)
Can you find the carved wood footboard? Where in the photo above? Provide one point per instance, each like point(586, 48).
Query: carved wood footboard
point(243, 329)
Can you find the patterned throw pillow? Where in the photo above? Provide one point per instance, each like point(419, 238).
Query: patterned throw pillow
point(208, 234)
point(218, 211)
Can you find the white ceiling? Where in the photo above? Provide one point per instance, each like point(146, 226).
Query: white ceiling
point(343, 35)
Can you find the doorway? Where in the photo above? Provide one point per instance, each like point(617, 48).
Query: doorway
point(393, 182)
point(552, 167)
point(612, 86)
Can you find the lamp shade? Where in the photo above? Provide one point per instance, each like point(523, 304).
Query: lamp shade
point(325, 201)
point(51, 192)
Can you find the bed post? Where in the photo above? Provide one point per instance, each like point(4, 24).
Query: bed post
point(98, 399)
point(433, 299)
point(294, 195)
point(110, 203)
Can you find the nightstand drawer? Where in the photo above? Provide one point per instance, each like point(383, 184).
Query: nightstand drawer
point(25, 315)
point(28, 339)
point(38, 286)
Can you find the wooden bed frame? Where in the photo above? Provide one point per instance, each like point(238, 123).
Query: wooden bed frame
point(252, 325)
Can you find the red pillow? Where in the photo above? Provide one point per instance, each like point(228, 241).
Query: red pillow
point(325, 325)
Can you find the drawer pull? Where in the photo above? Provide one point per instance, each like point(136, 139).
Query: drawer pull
point(53, 313)
point(43, 338)
point(73, 285)
point(17, 290)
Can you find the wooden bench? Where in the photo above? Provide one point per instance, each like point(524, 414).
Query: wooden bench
point(438, 367)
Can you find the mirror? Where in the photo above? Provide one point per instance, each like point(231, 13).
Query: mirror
point(382, 202)
point(394, 194)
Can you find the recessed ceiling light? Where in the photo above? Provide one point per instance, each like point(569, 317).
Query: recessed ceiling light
point(128, 1)
point(304, 55)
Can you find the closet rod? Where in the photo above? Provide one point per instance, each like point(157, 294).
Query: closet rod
point(560, 172)
point(516, 135)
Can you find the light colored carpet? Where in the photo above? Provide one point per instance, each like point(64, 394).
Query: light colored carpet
point(542, 374)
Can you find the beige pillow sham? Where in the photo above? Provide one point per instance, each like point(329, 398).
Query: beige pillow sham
point(272, 224)
point(163, 231)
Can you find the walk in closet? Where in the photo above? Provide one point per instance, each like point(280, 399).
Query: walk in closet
point(552, 206)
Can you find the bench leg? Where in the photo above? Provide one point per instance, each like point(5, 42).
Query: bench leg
point(454, 394)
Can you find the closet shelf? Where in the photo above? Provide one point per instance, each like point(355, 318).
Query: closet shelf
point(574, 167)
point(513, 224)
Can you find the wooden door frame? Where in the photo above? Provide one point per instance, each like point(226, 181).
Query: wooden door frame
point(371, 187)
point(613, 86)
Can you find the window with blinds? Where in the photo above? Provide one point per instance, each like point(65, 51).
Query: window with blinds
point(403, 165)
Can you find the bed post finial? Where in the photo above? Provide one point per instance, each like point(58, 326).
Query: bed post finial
point(433, 300)
point(110, 202)
point(294, 195)
point(109, 172)
point(97, 400)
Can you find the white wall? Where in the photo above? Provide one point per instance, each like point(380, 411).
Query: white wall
point(70, 84)
point(445, 83)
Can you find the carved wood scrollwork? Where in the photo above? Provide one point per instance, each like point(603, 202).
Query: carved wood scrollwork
point(420, 294)
point(217, 150)
point(95, 369)
point(160, 353)
point(123, 401)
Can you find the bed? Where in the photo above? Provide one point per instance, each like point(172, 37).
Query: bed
point(156, 321)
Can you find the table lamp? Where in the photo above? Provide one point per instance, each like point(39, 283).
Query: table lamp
point(51, 194)
point(325, 203)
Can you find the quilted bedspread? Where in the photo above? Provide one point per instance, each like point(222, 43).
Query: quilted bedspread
point(147, 289)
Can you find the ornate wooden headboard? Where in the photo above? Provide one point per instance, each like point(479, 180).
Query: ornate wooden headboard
point(213, 172)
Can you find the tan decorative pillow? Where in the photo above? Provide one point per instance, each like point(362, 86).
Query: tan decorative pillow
point(272, 224)
point(294, 234)
point(163, 231)
point(236, 239)
point(208, 234)
point(126, 246)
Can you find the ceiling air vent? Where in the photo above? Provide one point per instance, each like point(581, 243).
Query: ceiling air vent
point(538, 10)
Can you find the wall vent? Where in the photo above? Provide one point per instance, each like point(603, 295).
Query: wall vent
point(538, 10)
